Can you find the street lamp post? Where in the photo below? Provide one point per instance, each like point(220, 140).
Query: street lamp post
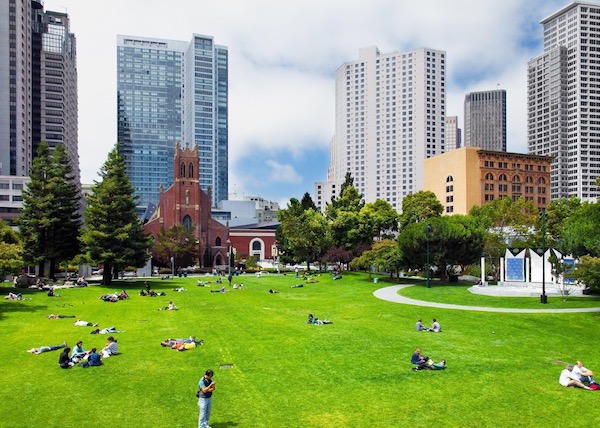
point(543, 297)
point(427, 230)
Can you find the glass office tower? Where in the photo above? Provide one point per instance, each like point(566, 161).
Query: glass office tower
point(169, 91)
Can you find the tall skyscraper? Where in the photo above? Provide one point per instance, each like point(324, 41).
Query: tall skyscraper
point(563, 100)
point(38, 93)
point(15, 86)
point(453, 133)
point(390, 117)
point(54, 82)
point(170, 91)
point(485, 120)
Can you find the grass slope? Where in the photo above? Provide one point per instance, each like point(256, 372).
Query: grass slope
point(354, 373)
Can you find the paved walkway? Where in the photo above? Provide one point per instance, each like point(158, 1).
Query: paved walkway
point(391, 295)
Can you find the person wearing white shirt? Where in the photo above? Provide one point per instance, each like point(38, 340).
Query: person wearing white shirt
point(584, 374)
point(568, 378)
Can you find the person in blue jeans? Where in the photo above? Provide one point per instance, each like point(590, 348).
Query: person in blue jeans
point(94, 358)
point(206, 386)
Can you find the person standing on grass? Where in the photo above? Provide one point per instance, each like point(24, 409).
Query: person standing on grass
point(206, 386)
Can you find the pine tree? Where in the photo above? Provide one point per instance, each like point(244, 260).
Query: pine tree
point(114, 236)
point(50, 221)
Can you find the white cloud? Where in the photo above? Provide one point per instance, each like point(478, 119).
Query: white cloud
point(283, 57)
point(282, 173)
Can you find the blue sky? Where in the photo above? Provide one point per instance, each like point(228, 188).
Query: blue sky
point(283, 58)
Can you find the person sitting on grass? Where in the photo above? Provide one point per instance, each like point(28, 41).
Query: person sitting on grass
point(82, 323)
point(419, 325)
point(585, 375)
point(78, 352)
point(43, 349)
point(569, 379)
point(111, 348)
point(94, 358)
point(170, 307)
point(81, 282)
point(419, 360)
point(51, 293)
point(64, 360)
point(435, 326)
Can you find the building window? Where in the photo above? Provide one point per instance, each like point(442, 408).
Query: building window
point(182, 170)
point(218, 241)
point(541, 180)
point(187, 222)
point(191, 170)
point(449, 179)
point(502, 177)
point(489, 176)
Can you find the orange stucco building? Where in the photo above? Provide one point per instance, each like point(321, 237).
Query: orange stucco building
point(472, 176)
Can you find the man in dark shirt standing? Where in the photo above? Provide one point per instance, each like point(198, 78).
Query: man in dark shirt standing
point(206, 386)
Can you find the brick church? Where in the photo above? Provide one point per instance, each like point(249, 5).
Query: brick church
point(185, 204)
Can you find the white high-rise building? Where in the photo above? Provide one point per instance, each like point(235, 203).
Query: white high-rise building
point(564, 101)
point(390, 117)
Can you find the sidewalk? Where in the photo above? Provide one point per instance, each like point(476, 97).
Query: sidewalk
point(391, 295)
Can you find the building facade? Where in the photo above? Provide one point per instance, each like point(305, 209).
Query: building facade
point(325, 191)
point(485, 120)
point(170, 91)
point(563, 104)
point(472, 176)
point(55, 102)
point(38, 93)
point(390, 117)
point(453, 133)
point(184, 203)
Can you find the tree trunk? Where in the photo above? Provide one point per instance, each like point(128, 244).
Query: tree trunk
point(107, 274)
point(52, 273)
point(41, 269)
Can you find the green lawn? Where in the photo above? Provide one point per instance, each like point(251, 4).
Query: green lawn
point(502, 368)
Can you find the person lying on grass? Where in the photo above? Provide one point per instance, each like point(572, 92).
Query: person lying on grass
point(170, 307)
point(182, 344)
point(107, 330)
point(221, 290)
point(82, 323)
point(43, 349)
point(316, 321)
point(13, 296)
point(56, 316)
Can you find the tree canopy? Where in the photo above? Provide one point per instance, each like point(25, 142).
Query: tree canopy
point(177, 242)
point(51, 220)
point(11, 252)
point(420, 206)
point(114, 236)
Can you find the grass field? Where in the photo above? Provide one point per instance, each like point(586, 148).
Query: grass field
point(502, 368)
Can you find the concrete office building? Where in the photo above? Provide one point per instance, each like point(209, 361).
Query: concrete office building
point(170, 91)
point(390, 117)
point(453, 133)
point(563, 100)
point(485, 120)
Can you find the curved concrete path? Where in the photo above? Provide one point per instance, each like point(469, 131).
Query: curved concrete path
point(391, 295)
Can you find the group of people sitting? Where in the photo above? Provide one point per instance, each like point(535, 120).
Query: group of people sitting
point(577, 376)
point(182, 344)
point(435, 326)
point(80, 355)
point(316, 321)
point(423, 362)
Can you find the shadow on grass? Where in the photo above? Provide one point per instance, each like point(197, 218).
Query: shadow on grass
point(224, 424)
point(9, 306)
